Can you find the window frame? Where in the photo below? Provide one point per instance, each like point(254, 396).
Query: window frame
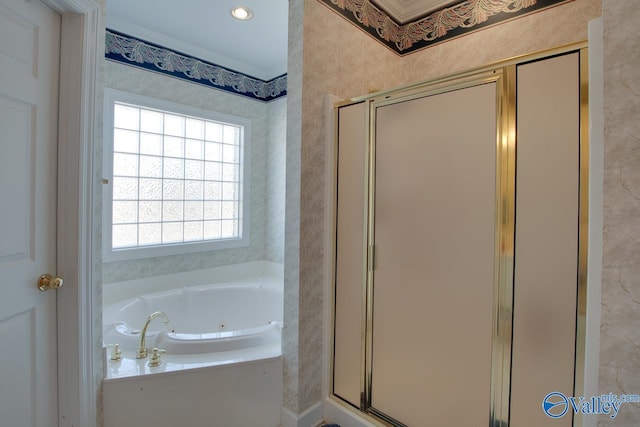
point(112, 96)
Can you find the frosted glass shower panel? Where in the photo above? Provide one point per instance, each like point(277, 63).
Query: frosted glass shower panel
point(350, 253)
point(433, 281)
point(546, 267)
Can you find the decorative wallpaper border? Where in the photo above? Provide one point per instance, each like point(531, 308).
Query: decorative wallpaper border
point(131, 51)
point(438, 26)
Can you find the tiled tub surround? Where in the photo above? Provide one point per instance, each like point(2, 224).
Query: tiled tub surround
point(242, 395)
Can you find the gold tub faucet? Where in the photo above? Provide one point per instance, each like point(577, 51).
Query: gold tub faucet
point(142, 349)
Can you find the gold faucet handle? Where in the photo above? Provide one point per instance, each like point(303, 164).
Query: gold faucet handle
point(116, 353)
point(141, 353)
point(155, 357)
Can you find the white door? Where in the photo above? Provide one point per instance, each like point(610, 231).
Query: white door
point(29, 64)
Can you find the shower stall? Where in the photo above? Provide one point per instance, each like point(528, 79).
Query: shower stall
point(459, 266)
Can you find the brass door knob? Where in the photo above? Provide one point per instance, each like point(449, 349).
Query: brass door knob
point(47, 281)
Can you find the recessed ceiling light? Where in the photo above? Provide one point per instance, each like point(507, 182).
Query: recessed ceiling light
point(242, 13)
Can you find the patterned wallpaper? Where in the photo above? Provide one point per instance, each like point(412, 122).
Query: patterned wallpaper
point(264, 183)
point(620, 319)
point(146, 55)
point(438, 26)
point(329, 55)
point(557, 26)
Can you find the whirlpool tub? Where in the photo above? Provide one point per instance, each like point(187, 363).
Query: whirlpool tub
point(222, 344)
point(202, 319)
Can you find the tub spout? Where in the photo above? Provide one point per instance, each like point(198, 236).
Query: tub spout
point(142, 348)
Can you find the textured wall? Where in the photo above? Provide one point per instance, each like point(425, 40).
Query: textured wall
point(290, 341)
point(329, 55)
point(620, 322)
point(275, 179)
point(325, 52)
point(146, 83)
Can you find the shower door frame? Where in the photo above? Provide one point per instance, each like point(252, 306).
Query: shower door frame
point(504, 229)
point(504, 74)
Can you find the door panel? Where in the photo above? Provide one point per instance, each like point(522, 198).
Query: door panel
point(29, 56)
point(17, 121)
point(435, 209)
point(18, 40)
point(18, 407)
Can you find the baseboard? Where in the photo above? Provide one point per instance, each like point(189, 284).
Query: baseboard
point(309, 418)
point(338, 414)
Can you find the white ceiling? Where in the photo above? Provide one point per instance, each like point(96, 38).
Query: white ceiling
point(206, 30)
point(409, 10)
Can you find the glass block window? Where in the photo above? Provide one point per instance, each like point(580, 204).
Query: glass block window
point(176, 178)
